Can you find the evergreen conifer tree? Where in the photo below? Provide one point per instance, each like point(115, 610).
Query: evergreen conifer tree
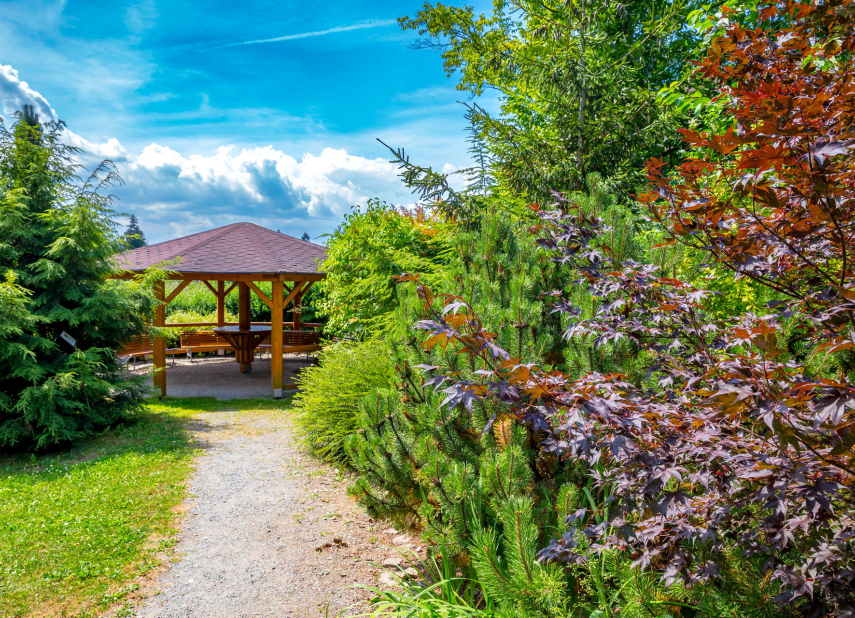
point(61, 315)
point(133, 235)
point(306, 236)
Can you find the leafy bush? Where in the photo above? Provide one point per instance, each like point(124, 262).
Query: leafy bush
point(412, 456)
point(325, 409)
point(367, 251)
point(462, 472)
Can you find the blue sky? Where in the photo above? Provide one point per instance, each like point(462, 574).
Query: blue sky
point(217, 112)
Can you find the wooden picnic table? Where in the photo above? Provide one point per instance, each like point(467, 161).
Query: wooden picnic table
point(244, 341)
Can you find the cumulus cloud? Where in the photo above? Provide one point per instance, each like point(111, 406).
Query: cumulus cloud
point(174, 195)
point(110, 149)
point(16, 93)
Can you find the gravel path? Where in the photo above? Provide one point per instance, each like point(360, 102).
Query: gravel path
point(269, 531)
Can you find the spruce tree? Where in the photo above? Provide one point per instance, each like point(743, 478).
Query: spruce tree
point(133, 235)
point(62, 316)
point(306, 237)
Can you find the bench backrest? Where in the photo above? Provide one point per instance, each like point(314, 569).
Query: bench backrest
point(300, 337)
point(138, 344)
point(202, 339)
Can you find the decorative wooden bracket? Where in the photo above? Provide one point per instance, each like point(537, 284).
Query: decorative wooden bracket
point(260, 294)
point(177, 291)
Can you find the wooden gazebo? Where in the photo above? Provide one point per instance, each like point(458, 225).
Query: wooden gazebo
point(240, 254)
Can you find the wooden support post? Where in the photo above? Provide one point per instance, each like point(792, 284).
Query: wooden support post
point(298, 310)
point(244, 306)
point(221, 303)
point(244, 316)
point(276, 339)
point(159, 348)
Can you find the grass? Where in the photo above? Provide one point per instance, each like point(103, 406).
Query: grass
point(77, 527)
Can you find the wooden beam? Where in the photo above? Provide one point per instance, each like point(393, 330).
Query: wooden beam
point(176, 291)
point(302, 276)
point(261, 294)
point(230, 288)
point(210, 287)
point(244, 306)
point(292, 294)
point(159, 348)
point(221, 303)
point(276, 311)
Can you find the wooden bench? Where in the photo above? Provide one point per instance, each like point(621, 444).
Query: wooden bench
point(202, 341)
point(298, 341)
point(141, 345)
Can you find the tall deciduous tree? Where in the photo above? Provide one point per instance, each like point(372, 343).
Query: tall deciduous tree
point(61, 315)
point(578, 83)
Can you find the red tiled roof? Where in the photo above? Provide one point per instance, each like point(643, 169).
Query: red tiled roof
point(233, 249)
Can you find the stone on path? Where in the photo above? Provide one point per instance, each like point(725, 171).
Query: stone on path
point(388, 579)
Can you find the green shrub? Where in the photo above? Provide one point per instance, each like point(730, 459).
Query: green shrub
point(62, 313)
point(367, 251)
point(474, 483)
point(326, 407)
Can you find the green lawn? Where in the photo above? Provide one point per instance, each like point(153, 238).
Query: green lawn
point(78, 526)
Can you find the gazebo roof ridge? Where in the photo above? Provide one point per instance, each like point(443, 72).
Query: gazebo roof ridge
point(237, 248)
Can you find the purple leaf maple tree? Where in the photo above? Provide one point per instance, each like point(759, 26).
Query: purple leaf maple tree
point(742, 437)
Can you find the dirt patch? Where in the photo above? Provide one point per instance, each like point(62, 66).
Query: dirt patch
point(269, 530)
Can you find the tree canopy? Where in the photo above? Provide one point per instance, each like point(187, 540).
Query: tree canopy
point(133, 235)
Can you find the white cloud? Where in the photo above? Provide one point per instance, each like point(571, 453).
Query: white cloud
point(110, 149)
point(16, 93)
point(174, 195)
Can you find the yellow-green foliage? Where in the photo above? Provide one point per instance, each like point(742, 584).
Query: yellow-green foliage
point(369, 249)
point(188, 316)
point(325, 408)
